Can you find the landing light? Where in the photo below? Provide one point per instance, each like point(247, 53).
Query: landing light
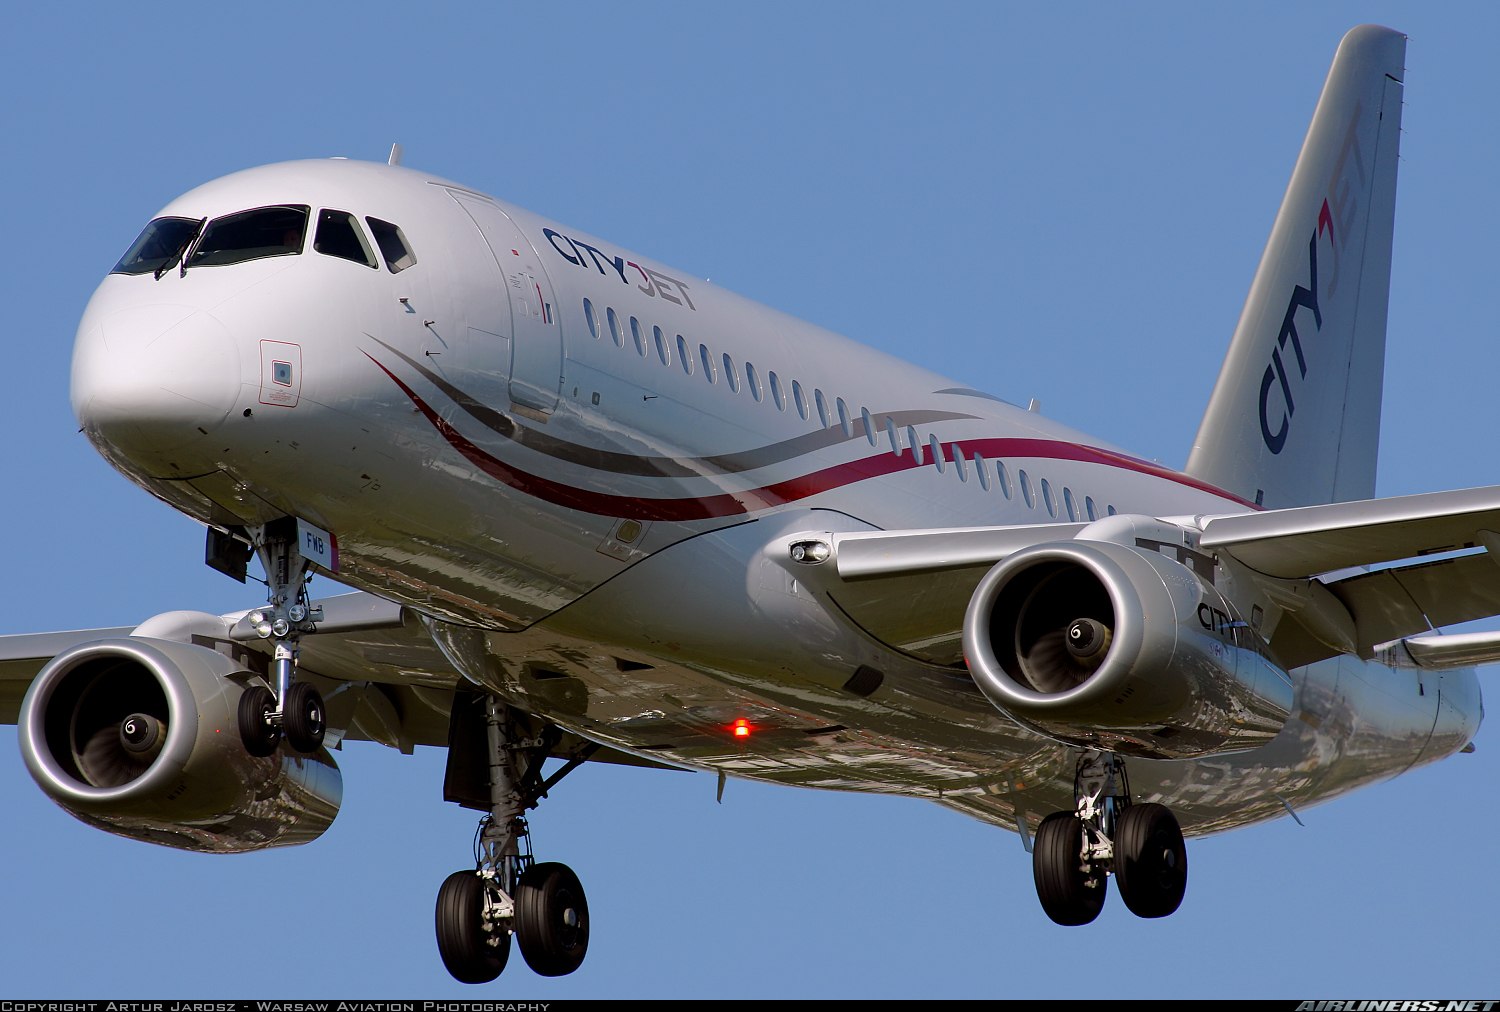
point(811, 552)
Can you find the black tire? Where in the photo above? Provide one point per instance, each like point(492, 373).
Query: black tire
point(302, 718)
point(257, 732)
point(1150, 860)
point(552, 919)
point(1068, 896)
point(461, 939)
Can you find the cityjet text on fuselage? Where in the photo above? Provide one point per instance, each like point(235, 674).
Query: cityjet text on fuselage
point(651, 282)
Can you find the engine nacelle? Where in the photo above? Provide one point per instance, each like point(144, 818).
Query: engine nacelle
point(1105, 646)
point(140, 737)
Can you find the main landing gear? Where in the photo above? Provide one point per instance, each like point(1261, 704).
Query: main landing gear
point(509, 892)
point(295, 710)
point(1074, 852)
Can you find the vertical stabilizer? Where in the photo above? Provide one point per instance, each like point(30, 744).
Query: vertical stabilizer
point(1295, 415)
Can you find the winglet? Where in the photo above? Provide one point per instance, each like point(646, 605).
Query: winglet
point(1294, 419)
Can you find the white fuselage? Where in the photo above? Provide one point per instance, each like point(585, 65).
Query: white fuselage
point(573, 459)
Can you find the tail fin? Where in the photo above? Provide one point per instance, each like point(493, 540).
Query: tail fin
point(1294, 419)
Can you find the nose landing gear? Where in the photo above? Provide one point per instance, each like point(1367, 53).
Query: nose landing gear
point(295, 711)
point(1141, 844)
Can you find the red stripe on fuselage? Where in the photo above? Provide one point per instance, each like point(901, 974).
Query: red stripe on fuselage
point(778, 493)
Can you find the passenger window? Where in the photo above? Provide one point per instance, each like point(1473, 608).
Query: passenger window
point(890, 432)
point(1088, 507)
point(252, 235)
point(683, 358)
point(864, 416)
point(159, 242)
point(1070, 507)
point(615, 333)
point(800, 399)
point(592, 320)
point(709, 373)
point(338, 235)
point(662, 351)
point(394, 248)
point(777, 397)
point(844, 418)
point(1109, 511)
point(1026, 493)
point(1047, 499)
point(822, 403)
point(911, 440)
point(730, 376)
point(981, 471)
point(753, 382)
point(935, 450)
point(637, 336)
point(958, 463)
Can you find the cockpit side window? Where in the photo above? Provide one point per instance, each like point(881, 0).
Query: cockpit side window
point(251, 235)
point(339, 235)
point(161, 240)
point(393, 247)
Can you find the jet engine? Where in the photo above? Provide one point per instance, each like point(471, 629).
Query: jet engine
point(1106, 646)
point(139, 736)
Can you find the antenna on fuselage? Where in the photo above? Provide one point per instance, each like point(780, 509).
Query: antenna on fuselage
point(395, 158)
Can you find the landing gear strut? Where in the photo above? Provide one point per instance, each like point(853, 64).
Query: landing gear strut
point(295, 710)
point(1141, 844)
point(543, 904)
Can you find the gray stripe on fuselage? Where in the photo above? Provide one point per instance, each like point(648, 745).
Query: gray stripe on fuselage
point(666, 467)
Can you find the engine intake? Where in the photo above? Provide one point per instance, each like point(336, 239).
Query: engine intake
point(138, 736)
point(1100, 645)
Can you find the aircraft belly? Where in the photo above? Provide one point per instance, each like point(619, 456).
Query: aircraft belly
point(648, 663)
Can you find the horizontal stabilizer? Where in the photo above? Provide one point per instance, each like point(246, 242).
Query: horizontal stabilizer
point(1463, 650)
point(1309, 540)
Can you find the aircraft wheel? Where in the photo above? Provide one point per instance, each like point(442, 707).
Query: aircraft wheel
point(471, 954)
point(302, 718)
point(552, 919)
point(1150, 860)
point(256, 730)
point(1069, 895)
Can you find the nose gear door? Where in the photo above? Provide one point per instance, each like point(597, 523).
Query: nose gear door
point(536, 338)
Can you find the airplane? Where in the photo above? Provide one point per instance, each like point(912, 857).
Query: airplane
point(596, 509)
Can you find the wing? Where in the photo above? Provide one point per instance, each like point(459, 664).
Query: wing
point(380, 674)
point(909, 589)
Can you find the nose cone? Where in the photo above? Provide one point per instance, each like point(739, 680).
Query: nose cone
point(151, 382)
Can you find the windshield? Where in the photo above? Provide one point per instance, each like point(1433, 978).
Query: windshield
point(159, 242)
point(250, 235)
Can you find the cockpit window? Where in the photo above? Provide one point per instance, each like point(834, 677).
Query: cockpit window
point(250, 235)
point(161, 240)
point(338, 235)
point(398, 255)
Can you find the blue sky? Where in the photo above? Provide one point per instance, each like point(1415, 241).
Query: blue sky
point(1054, 201)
